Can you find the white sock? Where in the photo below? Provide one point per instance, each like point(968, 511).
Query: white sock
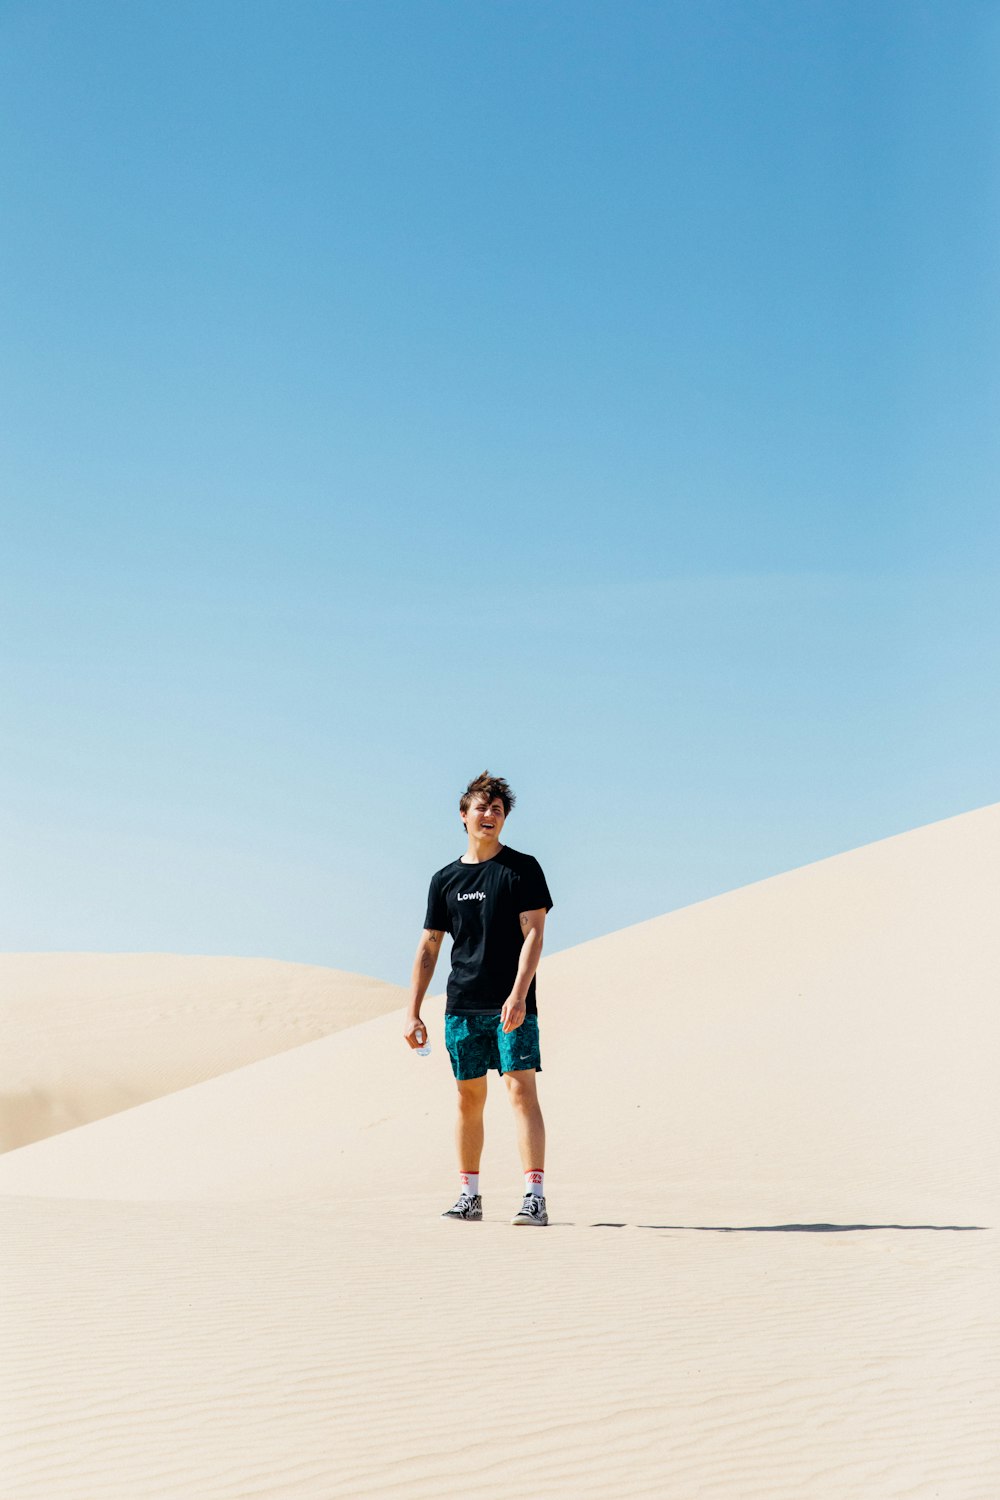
point(470, 1183)
point(534, 1183)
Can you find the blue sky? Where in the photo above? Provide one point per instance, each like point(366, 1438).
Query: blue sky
point(603, 394)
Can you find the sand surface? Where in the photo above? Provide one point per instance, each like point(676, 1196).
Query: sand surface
point(772, 1270)
point(84, 1035)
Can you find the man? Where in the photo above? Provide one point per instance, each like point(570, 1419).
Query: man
point(493, 901)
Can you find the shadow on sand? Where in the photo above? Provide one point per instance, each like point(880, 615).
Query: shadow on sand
point(791, 1228)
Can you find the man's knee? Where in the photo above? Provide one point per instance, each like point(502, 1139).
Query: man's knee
point(521, 1088)
point(471, 1094)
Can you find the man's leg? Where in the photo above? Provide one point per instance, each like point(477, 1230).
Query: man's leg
point(469, 1126)
point(471, 1047)
point(469, 1143)
point(531, 1143)
point(528, 1118)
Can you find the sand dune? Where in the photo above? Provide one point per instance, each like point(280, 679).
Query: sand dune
point(84, 1035)
point(772, 1268)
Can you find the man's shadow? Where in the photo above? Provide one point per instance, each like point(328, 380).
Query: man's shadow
point(789, 1228)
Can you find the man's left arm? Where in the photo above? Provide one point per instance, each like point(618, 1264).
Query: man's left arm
point(532, 932)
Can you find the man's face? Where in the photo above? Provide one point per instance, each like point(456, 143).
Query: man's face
point(484, 819)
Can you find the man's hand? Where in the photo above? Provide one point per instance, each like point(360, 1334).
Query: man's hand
point(415, 1034)
point(511, 1013)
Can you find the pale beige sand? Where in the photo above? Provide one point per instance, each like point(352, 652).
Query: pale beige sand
point(83, 1035)
point(243, 1289)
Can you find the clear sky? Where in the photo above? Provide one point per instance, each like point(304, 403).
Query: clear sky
point(606, 394)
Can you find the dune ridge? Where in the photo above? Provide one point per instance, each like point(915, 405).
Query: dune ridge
point(85, 1035)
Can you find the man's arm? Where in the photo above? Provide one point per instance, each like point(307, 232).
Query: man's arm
point(532, 933)
point(424, 963)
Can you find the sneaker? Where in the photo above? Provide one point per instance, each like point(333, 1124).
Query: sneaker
point(532, 1211)
point(465, 1208)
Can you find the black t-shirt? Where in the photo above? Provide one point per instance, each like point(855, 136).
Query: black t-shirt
point(480, 905)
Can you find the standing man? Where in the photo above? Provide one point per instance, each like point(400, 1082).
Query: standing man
point(493, 901)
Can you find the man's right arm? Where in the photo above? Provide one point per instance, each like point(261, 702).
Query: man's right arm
point(424, 963)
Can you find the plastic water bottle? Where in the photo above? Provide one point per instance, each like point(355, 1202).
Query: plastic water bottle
point(424, 1049)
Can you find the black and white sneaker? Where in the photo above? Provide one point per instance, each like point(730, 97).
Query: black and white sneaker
point(465, 1208)
point(532, 1211)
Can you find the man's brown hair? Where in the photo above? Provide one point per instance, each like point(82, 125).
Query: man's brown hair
point(489, 787)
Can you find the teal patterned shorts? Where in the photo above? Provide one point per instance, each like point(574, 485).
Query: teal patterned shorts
point(477, 1043)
